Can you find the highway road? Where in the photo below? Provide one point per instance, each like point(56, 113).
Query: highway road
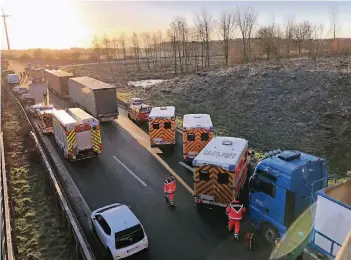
point(128, 171)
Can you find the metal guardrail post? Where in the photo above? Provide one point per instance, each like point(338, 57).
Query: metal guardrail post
point(8, 252)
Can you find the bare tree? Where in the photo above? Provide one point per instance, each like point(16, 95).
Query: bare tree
point(302, 33)
point(122, 43)
point(269, 37)
point(173, 37)
point(147, 43)
point(106, 42)
point(334, 17)
point(318, 37)
point(289, 35)
point(160, 38)
point(334, 27)
point(226, 30)
point(136, 49)
point(246, 20)
point(97, 48)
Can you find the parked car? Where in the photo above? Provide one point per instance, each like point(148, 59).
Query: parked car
point(27, 98)
point(119, 230)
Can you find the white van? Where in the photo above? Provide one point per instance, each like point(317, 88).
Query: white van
point(13, 79)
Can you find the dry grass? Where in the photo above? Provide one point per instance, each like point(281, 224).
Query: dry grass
point(39, 229)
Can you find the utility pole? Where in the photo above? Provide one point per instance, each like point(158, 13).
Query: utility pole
point(4, 16)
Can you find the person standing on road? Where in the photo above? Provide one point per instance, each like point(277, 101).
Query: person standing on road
point(169, 188)
point(235, 212)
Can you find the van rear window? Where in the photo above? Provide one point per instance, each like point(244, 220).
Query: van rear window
point(167, 125)
point(129, 236)
point(155, 126)
point(191, 137)
point(204, 175)
point(204, 137)
point(223, 178)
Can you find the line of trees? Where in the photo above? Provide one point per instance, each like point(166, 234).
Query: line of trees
point(187, 47)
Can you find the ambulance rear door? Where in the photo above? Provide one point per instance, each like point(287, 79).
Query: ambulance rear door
point(83, 133)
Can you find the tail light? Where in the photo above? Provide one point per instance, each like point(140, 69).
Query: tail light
point(69, 154)
point(100, 147)
point(67, 133)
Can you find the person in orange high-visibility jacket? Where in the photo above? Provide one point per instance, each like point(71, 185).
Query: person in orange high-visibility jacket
point(169, 187)
point(235, 212)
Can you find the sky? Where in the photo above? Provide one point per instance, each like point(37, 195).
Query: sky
point(71, 23)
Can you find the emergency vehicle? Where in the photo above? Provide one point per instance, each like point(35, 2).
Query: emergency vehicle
point(36, 75)
point(87, 131)
point(220, 170)
point(138, 111)
point(162, 126)
point(45, 114)
point(197, 133)
point(64, 129)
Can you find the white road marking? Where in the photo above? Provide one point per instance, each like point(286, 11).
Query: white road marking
point(132, 173)
point(187, 166)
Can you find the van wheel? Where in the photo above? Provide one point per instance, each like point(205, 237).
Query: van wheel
point(270, 233)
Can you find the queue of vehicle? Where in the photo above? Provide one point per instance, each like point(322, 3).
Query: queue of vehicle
point(279, 191)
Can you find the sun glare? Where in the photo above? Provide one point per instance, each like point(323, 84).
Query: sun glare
point(46, 24)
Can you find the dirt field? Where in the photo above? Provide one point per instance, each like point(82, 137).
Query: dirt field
point(39, 230)
point(292, 104)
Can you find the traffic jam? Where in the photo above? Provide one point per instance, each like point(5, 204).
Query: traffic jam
point(276, 189)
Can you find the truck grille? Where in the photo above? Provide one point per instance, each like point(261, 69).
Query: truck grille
point(129, 236)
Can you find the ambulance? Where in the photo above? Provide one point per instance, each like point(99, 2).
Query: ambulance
point(197, 133)
point(64, 130)
point(45, 114)
point(138, 111)
point(87, 131)
point(220, 171)
point(162, 126)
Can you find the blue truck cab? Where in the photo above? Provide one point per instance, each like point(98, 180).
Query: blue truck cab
point(280, 189)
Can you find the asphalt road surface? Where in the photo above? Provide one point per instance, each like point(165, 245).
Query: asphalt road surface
point(129, 173)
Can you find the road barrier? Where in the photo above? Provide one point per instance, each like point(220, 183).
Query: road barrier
point(82, 249)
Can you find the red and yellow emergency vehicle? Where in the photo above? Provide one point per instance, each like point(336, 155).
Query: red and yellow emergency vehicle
point(87, 131)
point(138, 111)
point(221, 170)
point(64, 130)
point(36, 75)
point(45, 114)
point(162, 126)
point(197, 133)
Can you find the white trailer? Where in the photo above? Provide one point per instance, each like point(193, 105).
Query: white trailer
point(331, 222)
point(65, 135)
point(88, 132)
point(94, 96)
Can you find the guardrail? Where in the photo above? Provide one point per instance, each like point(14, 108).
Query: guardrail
point(82, 249)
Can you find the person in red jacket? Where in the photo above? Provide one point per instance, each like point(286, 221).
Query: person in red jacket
point(235, 212)
point(169, 187)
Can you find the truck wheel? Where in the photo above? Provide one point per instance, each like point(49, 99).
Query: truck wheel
point(270, 233)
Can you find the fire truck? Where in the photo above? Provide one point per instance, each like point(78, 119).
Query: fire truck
point(87, 131)
point(197, 133)
point(162, 126)
point(64, 130)
point(45, 114)
point(138, 111)
point(221, 171)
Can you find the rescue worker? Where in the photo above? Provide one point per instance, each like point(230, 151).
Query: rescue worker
point(235, 212)
point(45, 94)
point(169, 188)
